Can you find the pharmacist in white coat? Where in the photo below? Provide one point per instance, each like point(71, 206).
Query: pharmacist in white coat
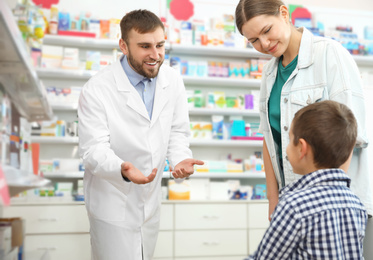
point(132, 115)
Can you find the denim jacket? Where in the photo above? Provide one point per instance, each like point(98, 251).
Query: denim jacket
point(325, 71)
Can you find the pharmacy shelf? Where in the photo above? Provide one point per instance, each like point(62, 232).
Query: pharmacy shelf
point(55, 139)
point(166, 175)
point(63, 74)
point(222, 175)
point(213, 51)
point(363, 60)
point(188, 80)
point(226, 143)
point(78, 175)
point(19, 180)
point(221, 82)
point(223, 111)
point(64, 174)
point(216, 51)
point(83, 42)
point(36, 200)
point(17, 75)
point(193, 142)
point(192, 111)
point(64, 106)
point(27, 201)
point(228, 175)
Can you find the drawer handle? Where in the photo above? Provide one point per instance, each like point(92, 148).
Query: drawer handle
point(210, 217)
point(211, 243)
point(47, 219)
point(47, 248)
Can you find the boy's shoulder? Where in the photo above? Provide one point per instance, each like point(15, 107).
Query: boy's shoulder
point(320, 198)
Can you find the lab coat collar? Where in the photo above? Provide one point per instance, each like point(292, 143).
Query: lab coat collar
point(134, 101)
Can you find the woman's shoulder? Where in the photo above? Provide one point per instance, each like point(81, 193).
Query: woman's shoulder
point(328, 44)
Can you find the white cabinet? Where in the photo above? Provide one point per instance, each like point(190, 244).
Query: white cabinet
point(210, 229)
point(258, 223)
point(210, 216)
point(59, 246)
point(61, 229)
point(51, 219)
point(188, 230)
point(165, 245)
point(210, 243)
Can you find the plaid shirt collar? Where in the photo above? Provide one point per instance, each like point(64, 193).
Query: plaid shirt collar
point(333, 177)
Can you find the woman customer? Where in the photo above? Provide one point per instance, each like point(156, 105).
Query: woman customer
point(304, 69)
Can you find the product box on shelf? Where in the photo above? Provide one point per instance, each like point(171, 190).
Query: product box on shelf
point(63, 189)
point(14, 146)
point(70, 58)
point(51, 56)
point(25, 145)
point(199, 188)
point(178, 191)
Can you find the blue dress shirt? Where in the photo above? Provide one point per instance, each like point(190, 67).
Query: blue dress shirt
point(144, 86)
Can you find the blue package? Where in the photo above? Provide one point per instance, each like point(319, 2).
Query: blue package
point(260, 191)
point(63, 21)
point(167, 166)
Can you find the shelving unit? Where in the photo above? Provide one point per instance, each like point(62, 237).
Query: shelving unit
point(55, 139)
point(64, 106)
point(28, 95)
point(223, 111)
point(226, 143)
point(17, 75)
point(107, 46)
point(202, 81)
point(167, 175)
point(193, 142)
point(19, 180)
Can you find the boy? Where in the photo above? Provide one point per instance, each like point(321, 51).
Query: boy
point(318, 217)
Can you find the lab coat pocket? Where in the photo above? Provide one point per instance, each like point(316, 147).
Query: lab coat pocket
point(106, 201)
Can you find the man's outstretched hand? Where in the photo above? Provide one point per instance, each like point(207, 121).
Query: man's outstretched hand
point(135, 175)
point(185, 168)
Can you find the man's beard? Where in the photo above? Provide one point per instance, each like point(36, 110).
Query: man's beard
point(138, 67)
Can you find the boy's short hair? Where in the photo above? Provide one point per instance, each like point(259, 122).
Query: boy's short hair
point(142, 21)
point(330, 128)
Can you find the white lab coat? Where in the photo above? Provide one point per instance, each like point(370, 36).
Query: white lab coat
point(114, 126)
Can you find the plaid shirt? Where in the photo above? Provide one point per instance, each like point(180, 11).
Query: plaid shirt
point(317, 217)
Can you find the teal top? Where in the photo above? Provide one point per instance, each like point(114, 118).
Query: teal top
point(274, 108)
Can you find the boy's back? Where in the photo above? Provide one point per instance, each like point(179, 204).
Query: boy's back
point(317, 217)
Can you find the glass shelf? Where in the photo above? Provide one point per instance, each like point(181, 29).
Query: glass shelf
point(17, 75)
point(19, 180)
